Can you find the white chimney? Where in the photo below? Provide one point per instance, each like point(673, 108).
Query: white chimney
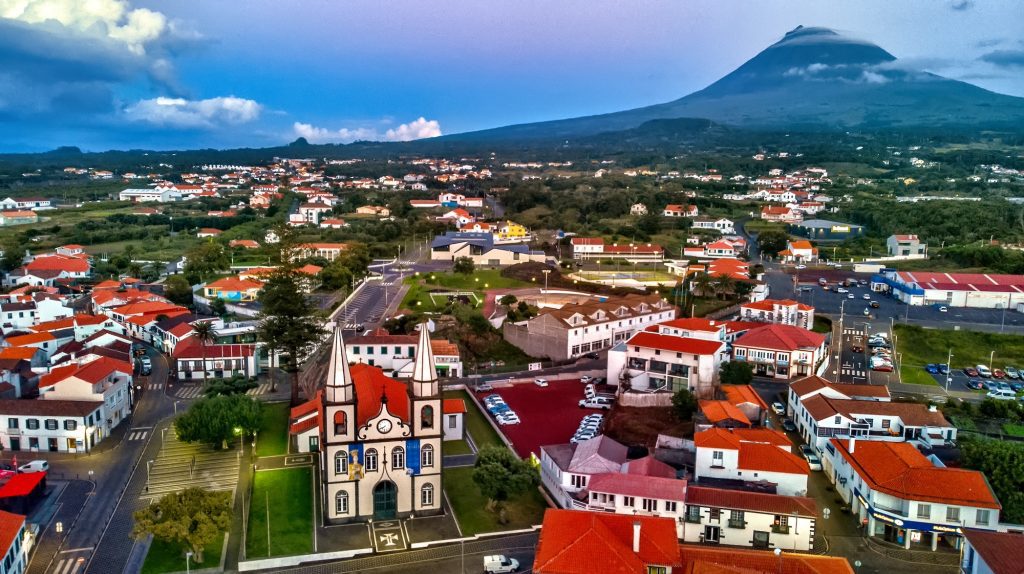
point(852, 445)
point(636, 537)
point(932, 409)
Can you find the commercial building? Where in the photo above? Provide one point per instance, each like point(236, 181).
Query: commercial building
point(586, 248)
point(825, 230)
point(778, 311)
point(195, 360)
point(482, 249)
point(579, 328)
point(907, 498)
point(737, 518)
point(981, 290)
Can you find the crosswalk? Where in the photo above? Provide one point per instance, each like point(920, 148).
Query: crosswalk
point(350, 326)
point(387, 283)
point(855, 373)
point(854, 332)
point(189, 392)
point(155, 386)
point(70, 565)
point(259, 390)
point(138, 434)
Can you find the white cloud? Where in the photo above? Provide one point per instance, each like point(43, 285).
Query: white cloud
point(414, 130)
point(870, 77)
point(109, 19)
point(182, 113)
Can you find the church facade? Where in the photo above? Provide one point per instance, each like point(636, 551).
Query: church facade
point(380, 439)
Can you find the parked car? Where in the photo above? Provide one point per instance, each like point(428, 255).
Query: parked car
point(788, 426)
point(867, 296)
point(842, 290)
point(874, 305)
point(540, 382)
point(1012, 372)
point(944, 369)
point(146, 365)
point(1017, 387)
point(585, 379)
point(975, 384)
point(603, 403)
point(932, 368)
point(778, 408)
point(943, 309)
point(800, 267)
point(592, 355)
point(971, 371)
point(998, 374)
point(509, 418)
point(983, 371)
point(484, 387)
point(851, 296)
point(34, 466)
point(499, 564)
point(806, 450)
point(813, 462)
point(1001, 395)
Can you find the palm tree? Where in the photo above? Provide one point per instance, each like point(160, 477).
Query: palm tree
point(135, 270)
point(204, 333)
point(704, 283)
point(724, 285)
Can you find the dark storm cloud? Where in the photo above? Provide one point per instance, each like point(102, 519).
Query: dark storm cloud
point(1005, 58)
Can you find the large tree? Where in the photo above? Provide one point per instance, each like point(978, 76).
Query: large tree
point(500, 474)
point(1002, 462)
point(736, 373)
point(192, 519)
point(178, 290)
point(218, 420)
point(771, 241)
point(684, 404)
point(205, 259)
point(464, 265)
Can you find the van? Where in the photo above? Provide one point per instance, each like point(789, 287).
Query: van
point(597, 402)
point(1002, 395)
point(147, 365)
point(498, 564)
point(34, 466)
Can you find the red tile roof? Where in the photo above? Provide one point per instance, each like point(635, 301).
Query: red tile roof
point(900, 470)
point(721, 411)
point(813, 383)
point(453, 406)
point(780, 338)
point(732, 438)
point(192, 348)
point(234, 284)
point(710, 560)
point(371, 386)
point(1003, 552)
point(640, 486)
point(741, 394)
point(81, 320)
point(648, 466)
point(29, 339)
point(770, 304)
point(57, 375)
point(573, 541)
point(753, 501)
point(675, 344)
point(10, 526)
point(690, 324)
point(769, 458)
point(58, 263)
point(25, 353)
point(100, 368)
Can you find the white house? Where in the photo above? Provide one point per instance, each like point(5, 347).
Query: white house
point(51, 426)
point(668, 356)
point(565, 469)
point(781, 351)
point(157, 194)
point(757, 519)
point(721, 225)
point(800, 251)
point(14, 544)
point(778, 311)
point(104, 379)
point(396, 354)
point(675, 210)
point(760, 456)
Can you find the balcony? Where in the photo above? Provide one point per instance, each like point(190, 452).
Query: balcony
point(737, 523)
point(692, 519)
point(780, 529)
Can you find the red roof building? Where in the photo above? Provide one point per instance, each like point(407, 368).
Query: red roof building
point(781, 351)
point(750, 455)
point(12, 535)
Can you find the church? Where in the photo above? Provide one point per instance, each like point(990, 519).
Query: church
point(378, 439)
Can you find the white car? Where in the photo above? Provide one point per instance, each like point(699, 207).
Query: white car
point(800, 267)
point(586, 379)
point(509, 418)
point(500, 564)
point(778, 408)
point(851, 296)
point(943, 309)
point(842, 290)
point(540, 382)
point(867, 296)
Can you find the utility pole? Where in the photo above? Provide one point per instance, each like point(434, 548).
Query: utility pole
point(949, 368)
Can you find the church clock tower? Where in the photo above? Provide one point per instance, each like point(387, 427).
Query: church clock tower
point(338, 431)
point(425, 400)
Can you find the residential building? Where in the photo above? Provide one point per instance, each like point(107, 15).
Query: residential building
point(584, 542)
point(780, 214)
point(905, 246)
point(312, 213)
point(778, 311)
point(482, 249)
point(27, 203)
point(713, 559)
point(328, 251)
point(378, 210)
point(746, 399)
point(104, 379)
point(233, 289)
point(759, 457)
point(566, 469)
point(721, 225)
point(158, 194)
point(584, 248)
point(396, 354)
point(669, 356)
point(638, 209)
point(675, 210)
point(799, 251)
point(737, 518)
point(822, 410)
point(907, 498)
point(987, 552)
point(578, 328)
point(781, 351)
point(196, 360)
point(51, 426)
point(19, 217)
point(14, 543)
point(207, 232)
point(244, 243)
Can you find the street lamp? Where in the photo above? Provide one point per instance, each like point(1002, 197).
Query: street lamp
point(546, 272)
point(188, 555)
point(949, 368)
point(149, 470)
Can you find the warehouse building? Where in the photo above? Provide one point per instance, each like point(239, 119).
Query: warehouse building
point(980, 290)
point(826, 230)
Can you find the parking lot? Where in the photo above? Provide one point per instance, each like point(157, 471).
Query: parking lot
point(549, 415)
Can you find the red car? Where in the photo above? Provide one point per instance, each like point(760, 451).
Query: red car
point(971, 372)
point(998, 373)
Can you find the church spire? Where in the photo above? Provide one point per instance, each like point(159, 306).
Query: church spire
point(340, 388)
point(424, 375)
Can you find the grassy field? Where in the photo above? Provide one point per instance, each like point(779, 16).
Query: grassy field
point(758, 225)
point(273, 436)
point(470, 506)
point(456, 447)
point(822, 325)
point(167, 557)
point(420, 286)
point(916, 375)
point(922, 346)
point(476, 422)
point(1013, 429)
point(289, 492)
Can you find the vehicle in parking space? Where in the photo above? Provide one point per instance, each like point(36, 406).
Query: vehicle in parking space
point(881, 365)
point(499, 409)
point(975, 384)
point(603, 403)
point(874, 305)
point(983, 371)
point(494, 398)
point(592, 355)
point(813, 462)
point(540, 382)
point(943, 309)
point(1011, 372)
point(509, 418)
point(788, 426)
point(851, 296)
point(585, 379)
point(34, 466)
point(822, 281)
point(800, 267)
point(842, 290)
point(970, 371)
point(778, 408)
point(1017, 387)
point(597, 381)
point(1002, 387)
point(580, 438)
point(500, 564)
point(932, 368)
point(944, 369)
point(484, 387)
point(998, 374)
point(1001, 395)
point(806, 449)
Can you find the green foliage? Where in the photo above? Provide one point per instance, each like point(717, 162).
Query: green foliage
point(214, 420)
point(204, 260)
point(218, 307)
point(771, 241)
point(346, 269)
point(236, 385)
point(192, 519)
point(650, 223)
point(508, 300)
point(736, 373)
point(500, 474)
point(288, 321)
point(464, 266)
point(684, 404)
point(954, 222)
point(1002, 462)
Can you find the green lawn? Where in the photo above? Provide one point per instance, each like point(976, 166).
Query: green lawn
point(1013, 429)
point(290, 494)
point(456, 447)
point(916, 375)
point(477, 424)
point(822, 324)
point(421, 285)
point(470, 506)
point(273, 436)
point(167, 557)
point(922, 346)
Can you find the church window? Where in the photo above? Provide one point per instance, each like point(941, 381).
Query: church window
point(341, 462)
point(370, 460)
point(340, 423)
point(427, 455)
point(427, 495)
point(427, 417)
point(398, 458)
point(341, 503)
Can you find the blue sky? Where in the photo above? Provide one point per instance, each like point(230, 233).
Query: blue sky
point(222, 73)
